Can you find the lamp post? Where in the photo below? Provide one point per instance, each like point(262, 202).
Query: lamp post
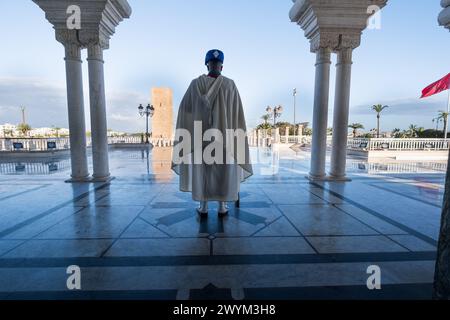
point(274, 113)
point(149, 111)
point(294, 93)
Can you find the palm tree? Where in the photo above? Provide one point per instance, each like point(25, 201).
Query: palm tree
point(443, 115)
point(266, 118)
point(412, 131)
point(420, 132)
point(378, 108)
point(24, 128)
point(355, 127)
point(396, 132)
point(56, 131)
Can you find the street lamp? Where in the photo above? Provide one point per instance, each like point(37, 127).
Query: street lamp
point(274, 113)
point(149, 111)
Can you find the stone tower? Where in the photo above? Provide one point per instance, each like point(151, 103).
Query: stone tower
point(162, 121)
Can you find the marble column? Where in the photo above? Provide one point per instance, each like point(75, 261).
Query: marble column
point(277, 135)
point(341, 114)
point(258, 138)
point(99, 127)
point(300, 131)
point(287, 135)
point(75, 102)
point(320, 118)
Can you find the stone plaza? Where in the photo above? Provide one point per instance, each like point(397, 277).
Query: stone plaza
point(138, 237)
point(312, 223)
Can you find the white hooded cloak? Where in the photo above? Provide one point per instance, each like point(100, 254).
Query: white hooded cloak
point(215, 104)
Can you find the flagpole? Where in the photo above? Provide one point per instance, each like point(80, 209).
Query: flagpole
point(448, 111)
point(448, 103)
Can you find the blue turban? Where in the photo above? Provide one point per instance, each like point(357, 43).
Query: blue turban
point(214, 55)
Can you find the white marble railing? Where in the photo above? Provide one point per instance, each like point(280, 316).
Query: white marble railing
point(41, 144)
point(31, 144)
point(398, 144)
point(125, 140)
point(156, 142)
point(295, 139)
point(405, 167)
point(264, 138)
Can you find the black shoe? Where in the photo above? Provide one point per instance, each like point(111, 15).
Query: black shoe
point(202, 214)
point(223, 214)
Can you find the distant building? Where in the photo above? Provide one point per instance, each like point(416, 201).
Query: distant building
point(112, 133)
point(48, 132)
point(8, 130)
point(162, 121)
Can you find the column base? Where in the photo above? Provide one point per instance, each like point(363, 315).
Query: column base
point(89, 180)
point(86, 179)
point(328, 179)
point(339, 179)
point(316, 178)
point(102, 179)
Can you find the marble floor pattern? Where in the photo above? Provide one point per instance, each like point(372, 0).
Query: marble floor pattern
point(138, 237)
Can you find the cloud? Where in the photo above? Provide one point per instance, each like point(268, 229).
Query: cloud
point(401, 113)
point(407, 106)
point(122, 110)
point(46, 105)
point(44, 102)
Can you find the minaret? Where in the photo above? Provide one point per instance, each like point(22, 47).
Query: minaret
point(162, 121)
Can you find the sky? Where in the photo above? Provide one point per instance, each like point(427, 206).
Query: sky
point(163, 44)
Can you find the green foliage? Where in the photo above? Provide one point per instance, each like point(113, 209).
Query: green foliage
point(307, 131)
point(431, 134)
point(367, 136)
point(264, 126)
point(378, 108)
point(355, 127)
point(266, 118)
point(283, 125)
point(24, 128)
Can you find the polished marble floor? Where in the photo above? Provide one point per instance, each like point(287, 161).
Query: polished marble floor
point(138, 237)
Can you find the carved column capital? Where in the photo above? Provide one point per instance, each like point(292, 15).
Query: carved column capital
point(335, 40)
point(95, 51)
point(351, 40)
point(94, 38)
point(444, 16)
point(324, 39)
point(69, 39)
point(344, 56)
point(323, 56)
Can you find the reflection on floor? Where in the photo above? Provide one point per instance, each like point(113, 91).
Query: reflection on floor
point(139, 237)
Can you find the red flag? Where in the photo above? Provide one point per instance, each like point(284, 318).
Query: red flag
point(438, 86)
